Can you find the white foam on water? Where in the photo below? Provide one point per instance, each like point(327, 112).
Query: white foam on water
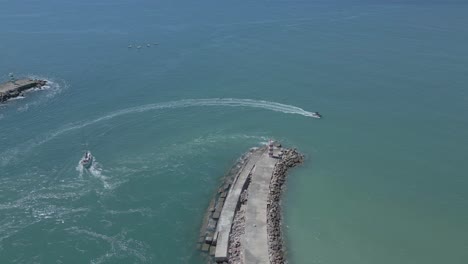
point(39, 204)
point(119, 245)
point(43, 202)
point(273, 106)
point(17, 98)
point(23, 108)
point(80, 169)
point(7, 156)
point(171, 157)
point(147, 212)
point(52, 87)
point(96, 171)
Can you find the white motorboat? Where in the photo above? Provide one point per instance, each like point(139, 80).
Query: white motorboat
point(316, 115)
point(87, 160)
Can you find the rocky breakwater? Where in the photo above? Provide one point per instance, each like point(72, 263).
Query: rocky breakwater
point(290, 158)
point(16, 88)
point(209, 232)
point(243, 222)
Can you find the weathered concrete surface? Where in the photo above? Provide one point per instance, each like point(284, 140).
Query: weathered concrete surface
point(230, 205)
point(255, 239)
point(10, 90)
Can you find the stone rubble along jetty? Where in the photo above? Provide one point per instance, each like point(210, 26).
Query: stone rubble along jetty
point(237, 231)
point(16, 88)
point(243, 221)
point(291, 158)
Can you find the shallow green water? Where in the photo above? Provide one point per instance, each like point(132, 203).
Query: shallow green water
point(384, 181)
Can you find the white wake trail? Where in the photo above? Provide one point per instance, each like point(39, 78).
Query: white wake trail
point(273, 106)
point(6, 156)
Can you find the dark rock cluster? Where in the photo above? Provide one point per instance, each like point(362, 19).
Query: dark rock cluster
point(18, 91)
point(289, 159)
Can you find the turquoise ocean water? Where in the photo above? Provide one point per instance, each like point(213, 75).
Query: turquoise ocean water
point(385, 177)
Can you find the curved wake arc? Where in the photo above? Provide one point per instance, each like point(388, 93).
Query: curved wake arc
point(273, 106)
point(233, 102)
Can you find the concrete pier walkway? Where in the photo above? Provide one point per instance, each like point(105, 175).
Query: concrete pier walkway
point(255, 240)
point(230, 205)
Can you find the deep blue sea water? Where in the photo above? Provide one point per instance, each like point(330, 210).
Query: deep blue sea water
point(385, 177)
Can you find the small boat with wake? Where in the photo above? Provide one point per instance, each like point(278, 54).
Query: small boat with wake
point(316, 115)
point(87, 160)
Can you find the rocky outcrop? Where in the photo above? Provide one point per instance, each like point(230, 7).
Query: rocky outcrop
point(14, 89)
point(289, 159)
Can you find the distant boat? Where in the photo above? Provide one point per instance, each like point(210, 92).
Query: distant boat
point(139, 47)
point(316, 115)
point(87, 160)
point(130, 46)
point(148, 45)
